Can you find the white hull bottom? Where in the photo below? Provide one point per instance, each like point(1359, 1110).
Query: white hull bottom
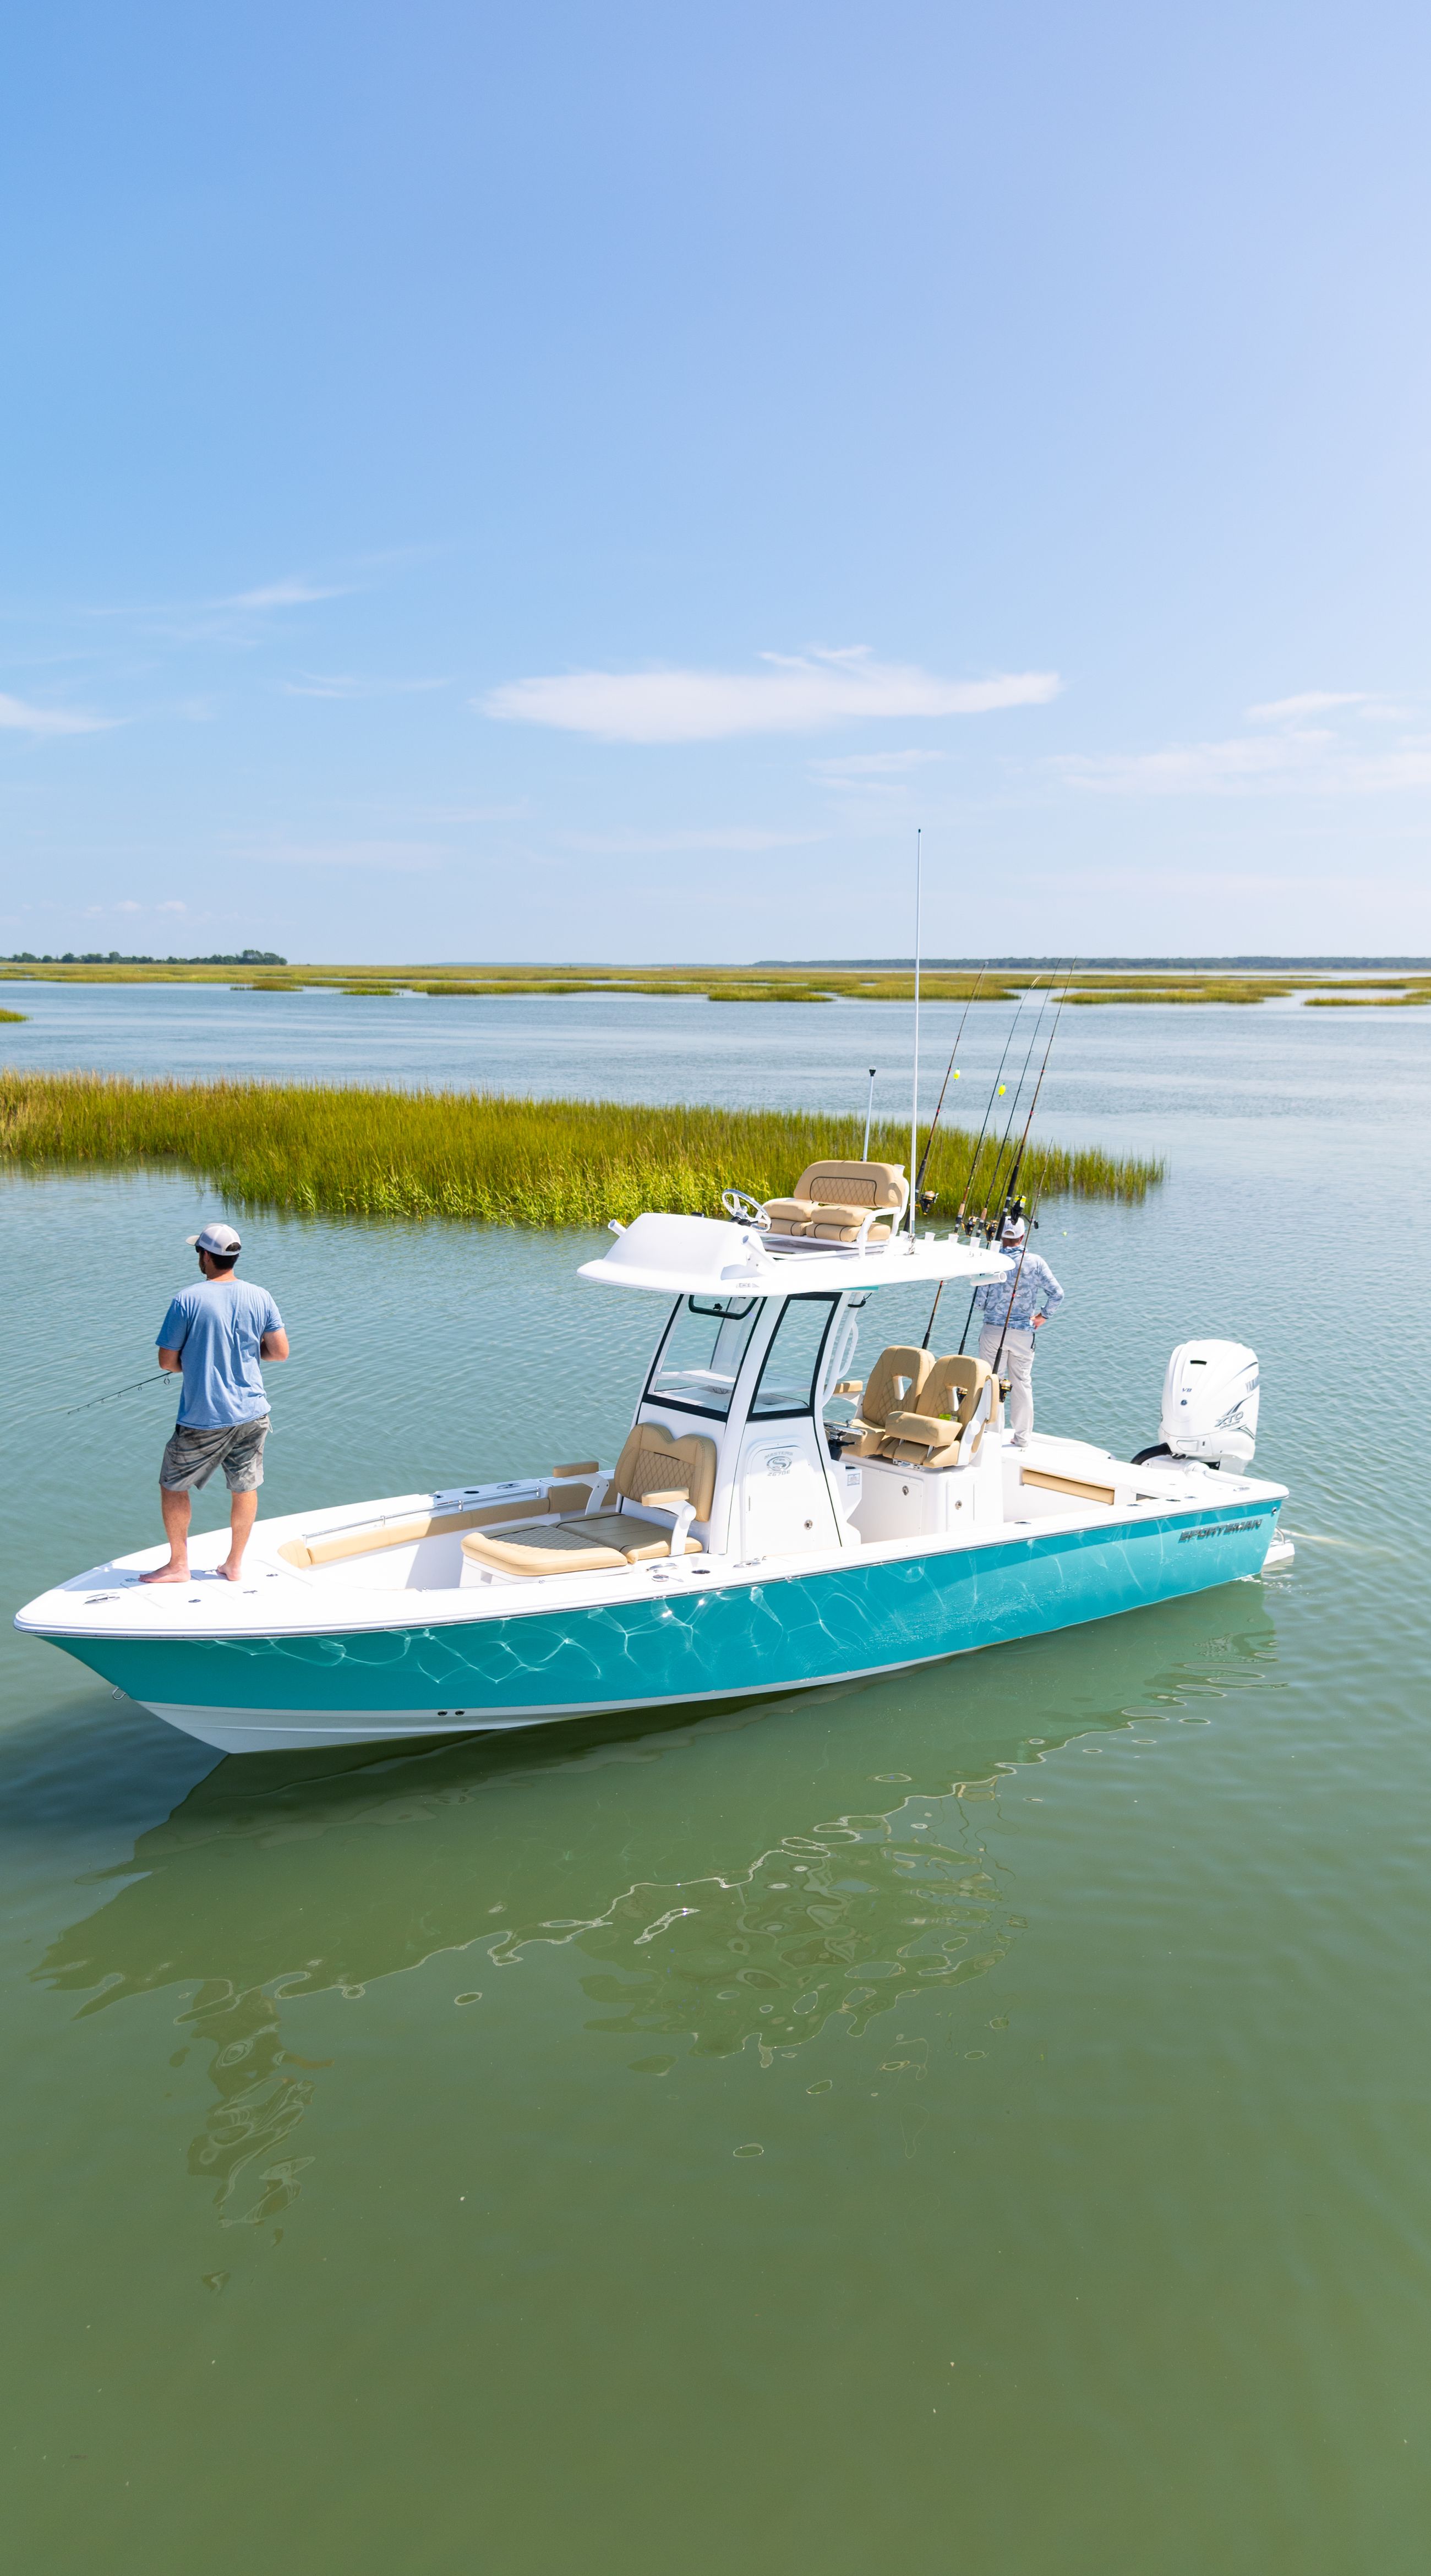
point(298, 1730)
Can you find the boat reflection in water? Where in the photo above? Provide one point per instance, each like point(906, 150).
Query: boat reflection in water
point(756, 1904)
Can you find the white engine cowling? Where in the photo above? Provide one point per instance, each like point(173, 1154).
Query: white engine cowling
point(1210, 1403)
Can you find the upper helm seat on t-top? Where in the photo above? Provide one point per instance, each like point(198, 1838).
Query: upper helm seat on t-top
point(834, 1201)
point(655, 1472)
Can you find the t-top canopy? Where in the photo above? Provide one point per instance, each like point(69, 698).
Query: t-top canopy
point(703, 1256)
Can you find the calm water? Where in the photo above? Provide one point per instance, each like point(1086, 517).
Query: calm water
point(975, 2121)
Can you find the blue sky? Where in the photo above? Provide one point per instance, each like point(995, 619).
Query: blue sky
point(585, 483)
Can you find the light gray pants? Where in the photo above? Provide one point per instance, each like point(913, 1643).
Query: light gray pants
point(1018, 1361)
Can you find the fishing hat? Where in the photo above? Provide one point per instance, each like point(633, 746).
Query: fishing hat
point(221, 1240)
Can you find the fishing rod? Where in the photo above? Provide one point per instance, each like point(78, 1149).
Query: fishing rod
point(1013, 1292)
point(1018, 1163)
point(914, 1095)
point(948, 1071)
point(869, 1113)
point(993, 1194)
point(1033, 1104)
point(994, 1190)
point(115, 1391)
point(47, 1412)
point(979, 1139)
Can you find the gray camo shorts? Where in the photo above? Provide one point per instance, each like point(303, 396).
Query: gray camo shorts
point(191, 1453)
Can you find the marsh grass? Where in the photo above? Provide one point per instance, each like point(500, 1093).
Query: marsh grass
point(14, 1015)
point(325, 1150)
point(1084, 985)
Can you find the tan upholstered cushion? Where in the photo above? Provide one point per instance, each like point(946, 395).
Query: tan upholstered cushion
point(563, 1547)
point(589, 1546)
point(919, 1426)
point(653, 1463)
point(789, 1216)
point(655, 1543)
point(935, 1436)
point(954, 1386)
point(859, 1185)
point(883, 1394)
point(838, 1224)
point(380, 1534)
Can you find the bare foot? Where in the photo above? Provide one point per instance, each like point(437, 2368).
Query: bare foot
point(167, 1574)
point(231, 1573)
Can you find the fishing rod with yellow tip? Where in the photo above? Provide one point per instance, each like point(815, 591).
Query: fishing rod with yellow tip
point(1012, 1206)
point(994, 1184)
point(1013, 1181)
point(984, 1122)
point(980, 1223)
point(1002, 1192)
point(922, 1200)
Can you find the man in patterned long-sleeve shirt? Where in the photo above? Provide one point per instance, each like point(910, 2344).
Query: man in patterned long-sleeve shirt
point(1011, 1315)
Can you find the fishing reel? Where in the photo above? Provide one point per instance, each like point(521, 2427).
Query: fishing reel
point(1015, 1212)
point(924, 1200)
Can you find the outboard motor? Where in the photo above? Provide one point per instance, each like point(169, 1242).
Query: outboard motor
point(1209, 1405)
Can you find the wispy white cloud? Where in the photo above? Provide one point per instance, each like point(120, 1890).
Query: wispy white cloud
point(856, 766)
point(127, 904)
point(347, 685)
point(736, 836)
point(294, 592)
point(1296, 760)
point(406, 857)
point(17, 715)
point(871, 779)
point(800, 693)
point(1312, 702)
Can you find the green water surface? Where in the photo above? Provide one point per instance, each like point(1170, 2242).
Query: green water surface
point(976, 2121)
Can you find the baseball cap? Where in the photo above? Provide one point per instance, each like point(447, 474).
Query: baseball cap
point(220, 1239)
point(1012, 1230)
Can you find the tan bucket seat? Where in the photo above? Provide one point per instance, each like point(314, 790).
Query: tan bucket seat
point(946, 1427)
point(662, 1474)
point(896, 1380)
point(833, 1200)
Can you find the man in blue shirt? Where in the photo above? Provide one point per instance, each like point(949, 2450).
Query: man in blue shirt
point(213, 1337)
point(1012, 1310)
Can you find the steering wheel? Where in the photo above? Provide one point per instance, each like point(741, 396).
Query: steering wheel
point(745, 1209)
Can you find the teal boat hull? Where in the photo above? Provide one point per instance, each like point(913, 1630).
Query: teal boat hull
point(694, 1641)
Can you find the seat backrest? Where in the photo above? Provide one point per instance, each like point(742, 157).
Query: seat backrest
point(870, 1185)
point(653, 1463)
point(954, 1386)
point(895, 1384)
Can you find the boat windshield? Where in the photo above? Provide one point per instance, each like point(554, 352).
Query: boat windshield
point(792, 1363)
point(699, 1361)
